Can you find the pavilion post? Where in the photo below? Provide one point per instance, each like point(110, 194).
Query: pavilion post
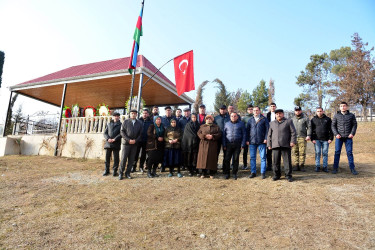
point(131, 91)
point(7, 117)
point(140, 92)
point(61, 113)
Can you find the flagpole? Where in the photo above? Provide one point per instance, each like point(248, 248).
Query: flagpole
point(156, 72)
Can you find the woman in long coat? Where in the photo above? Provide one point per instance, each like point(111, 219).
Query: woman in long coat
point(155, 146)
point(209, 134)
point(190, 144)
point(172, 152)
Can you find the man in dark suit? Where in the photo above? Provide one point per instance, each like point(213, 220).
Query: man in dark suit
point(131, 132)
point(271, 116)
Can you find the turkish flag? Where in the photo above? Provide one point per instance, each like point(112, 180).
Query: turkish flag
point(184, 72)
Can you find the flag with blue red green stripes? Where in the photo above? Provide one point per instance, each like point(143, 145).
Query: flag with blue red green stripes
point(137, 37)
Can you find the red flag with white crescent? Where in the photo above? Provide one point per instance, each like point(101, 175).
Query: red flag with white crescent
point(184, 72)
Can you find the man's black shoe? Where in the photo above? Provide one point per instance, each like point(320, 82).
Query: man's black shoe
point(354, 171)
point(253, 175)
point(227, 176)
point(106, 173)
point(289, 179)
point(275, 178)
point(334, 171)
point(120, 177)
point(128, 176)
point(263, 176)
point(235, 177)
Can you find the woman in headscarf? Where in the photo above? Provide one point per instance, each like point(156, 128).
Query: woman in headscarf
point(172, 153)
point(155, 146)
point(190, 144)
point(209, 135)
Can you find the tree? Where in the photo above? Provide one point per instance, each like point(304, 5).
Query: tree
point(2, 58)
point(271, 91)
point(245, 99)
point(234, 98)
point(357, 77)
point(315, 78)
point(306, 102)
point(9, 123)
point(199, 97)
point(260, 95)
point(222, 96)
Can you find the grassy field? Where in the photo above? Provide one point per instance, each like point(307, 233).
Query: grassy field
point(49, 202)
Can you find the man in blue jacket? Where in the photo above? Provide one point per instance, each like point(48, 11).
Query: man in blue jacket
point(233, 139)
point(344, 126)
point(220, 120)
point(257, 130)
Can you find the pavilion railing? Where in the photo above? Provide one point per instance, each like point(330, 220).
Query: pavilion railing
point(84, 125)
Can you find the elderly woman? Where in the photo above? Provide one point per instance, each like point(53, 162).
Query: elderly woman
point(172, 152)
point(190, 144)
point(155, 146)
point(209, 135)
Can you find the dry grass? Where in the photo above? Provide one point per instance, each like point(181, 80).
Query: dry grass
point(48, 202)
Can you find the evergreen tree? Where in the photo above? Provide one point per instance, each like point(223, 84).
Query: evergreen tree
point(245, 99)
point(260, 95)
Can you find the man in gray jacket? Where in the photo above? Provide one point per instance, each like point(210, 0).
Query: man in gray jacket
point(131, 132)
point(281, 138)
point(303, 128)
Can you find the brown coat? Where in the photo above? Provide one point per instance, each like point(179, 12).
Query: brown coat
point(207, 154)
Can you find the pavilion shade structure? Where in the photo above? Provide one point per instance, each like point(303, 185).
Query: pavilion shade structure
point(104, 82)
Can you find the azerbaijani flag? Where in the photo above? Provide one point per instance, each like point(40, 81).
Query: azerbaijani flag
point(137, 37)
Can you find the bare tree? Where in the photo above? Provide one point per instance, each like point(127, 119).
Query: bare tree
point(199, 97)
point(271, 91)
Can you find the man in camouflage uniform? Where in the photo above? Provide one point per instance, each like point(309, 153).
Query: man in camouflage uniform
point(303, 128)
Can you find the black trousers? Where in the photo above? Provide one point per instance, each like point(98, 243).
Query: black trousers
point(140, 149)
point(155, 157)
point(287, 156)
point(233, 150)
point(116, 157)
point(128, 155)
point(245, 154)
point(269, 158)
point(190, 161)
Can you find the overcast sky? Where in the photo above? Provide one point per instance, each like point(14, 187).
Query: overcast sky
point(239, 42)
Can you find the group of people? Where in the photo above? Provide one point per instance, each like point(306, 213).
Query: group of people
point(194, 141)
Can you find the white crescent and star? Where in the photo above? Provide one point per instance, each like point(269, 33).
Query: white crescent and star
point(181, 63)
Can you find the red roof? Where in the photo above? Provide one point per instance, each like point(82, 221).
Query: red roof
point(98, 67)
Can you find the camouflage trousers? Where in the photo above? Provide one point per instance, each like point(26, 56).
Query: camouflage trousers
point(299, 151)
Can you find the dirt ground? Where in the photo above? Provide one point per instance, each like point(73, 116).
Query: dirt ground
point(49, 202)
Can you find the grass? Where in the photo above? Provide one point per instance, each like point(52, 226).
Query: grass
point(54, 202)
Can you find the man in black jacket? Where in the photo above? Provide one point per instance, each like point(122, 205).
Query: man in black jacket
point(141, 148)
point(131, 132)
point(321, 135)
point(344, 126)
point(112, 137)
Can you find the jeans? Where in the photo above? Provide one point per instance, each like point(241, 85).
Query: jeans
point(253, 157)
point(349, 152)
point(321, 147)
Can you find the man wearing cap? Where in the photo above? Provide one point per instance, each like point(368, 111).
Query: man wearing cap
point(303, 129)
point(131, 132)
point(141, 148)
point(112, 138)
point(202, 114)
point(271, 116)
point(245, 120)
point(220, 120)
point(185, 119)
point(234, 138)
point(166, 120)
point(281, 137)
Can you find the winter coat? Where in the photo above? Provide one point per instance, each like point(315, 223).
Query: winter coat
point(269, 116)
point(112, 131)
point(190, 139)
point(302, 125)
point(281, 134)
point(234, 133)
point(257, 130)
point(172, 133)
point(146, 124)
point(220, 120)
point(199, 119)
point(182, 123)
point(131, 132)
point(152, 139)
point(246, 118)
point(344, 124)
point(166, 121)
point(321, 128)
point(207, 154)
